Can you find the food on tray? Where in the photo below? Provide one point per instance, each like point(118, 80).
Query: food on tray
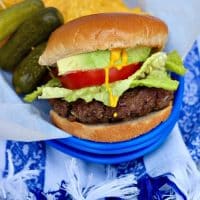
point(33, 31)
point(113, 81)
point(11, 18)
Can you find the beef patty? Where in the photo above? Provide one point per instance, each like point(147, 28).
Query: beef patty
point(133, 103)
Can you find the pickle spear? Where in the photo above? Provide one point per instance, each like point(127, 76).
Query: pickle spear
point(11, 18)
point(29, 73)
point(35, 30)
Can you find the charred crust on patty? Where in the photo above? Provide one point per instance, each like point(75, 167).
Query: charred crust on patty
point(132, 104)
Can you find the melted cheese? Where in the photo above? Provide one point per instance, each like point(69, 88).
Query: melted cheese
point(124, 58)
point(112, 99)
point(115, 114)
point(115, 56)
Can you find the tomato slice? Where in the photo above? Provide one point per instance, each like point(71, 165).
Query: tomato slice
point(81, 79)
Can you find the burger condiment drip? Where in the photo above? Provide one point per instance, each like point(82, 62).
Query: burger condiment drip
point(115, 114)
point(115, 56)
point(124, 57)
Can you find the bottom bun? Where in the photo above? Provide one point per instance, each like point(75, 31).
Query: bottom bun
point(114, 132)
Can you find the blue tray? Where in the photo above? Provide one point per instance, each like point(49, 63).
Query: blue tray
point(109, 146)
point(107, 159)
point(105, 151)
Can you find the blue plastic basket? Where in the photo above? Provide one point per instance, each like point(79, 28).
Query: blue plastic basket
point(108, 159)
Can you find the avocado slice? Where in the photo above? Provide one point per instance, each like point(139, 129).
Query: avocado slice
point(99, 59)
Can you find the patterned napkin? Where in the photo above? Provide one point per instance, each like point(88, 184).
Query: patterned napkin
point(36, 171)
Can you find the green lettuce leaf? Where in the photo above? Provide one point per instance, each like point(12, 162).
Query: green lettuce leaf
point(101, 94)
point(33, 96)
point(174, 63)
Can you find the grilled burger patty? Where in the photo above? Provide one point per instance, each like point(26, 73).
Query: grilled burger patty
point(133, 103)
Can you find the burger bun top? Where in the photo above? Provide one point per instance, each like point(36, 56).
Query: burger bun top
point(104, 31)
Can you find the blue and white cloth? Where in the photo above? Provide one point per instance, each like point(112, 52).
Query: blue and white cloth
point(36, 171)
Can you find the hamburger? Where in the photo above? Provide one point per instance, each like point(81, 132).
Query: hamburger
point(113, 79)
